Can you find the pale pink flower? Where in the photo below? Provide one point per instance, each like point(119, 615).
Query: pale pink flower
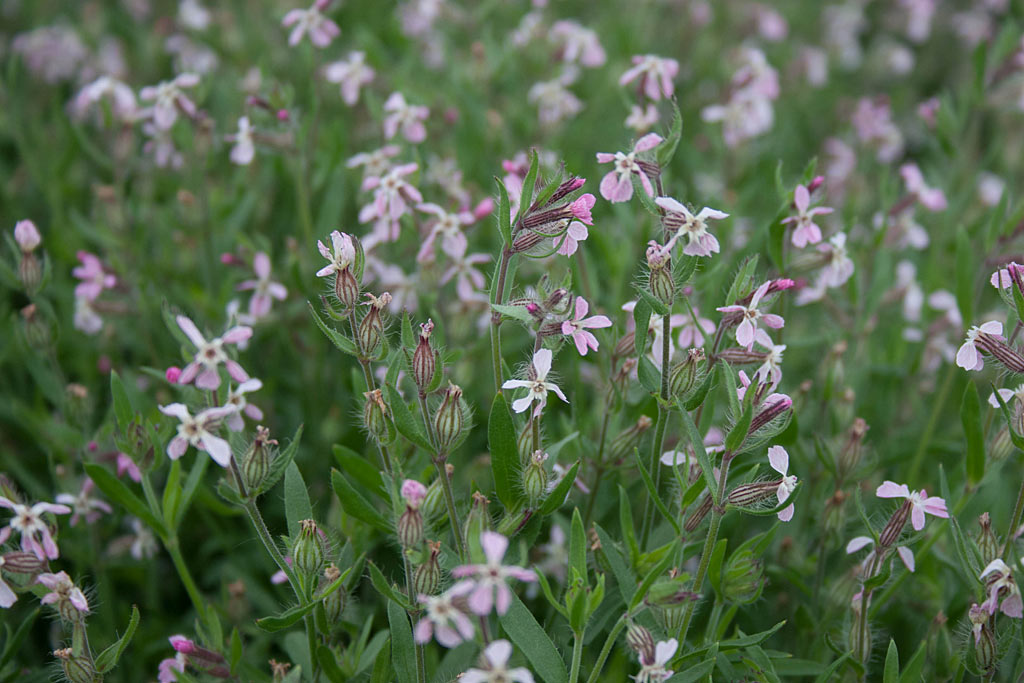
point(489, 580)
point(920, 500)
point(121, 97)
point(392, 198)
point(210, 354)
point(968, 356)
point(29, 523)
point(642, 119)
point(1003, 278)
point(872, 120)
point(1000, 585)
point(26, 236)
point(617, 185)
point(405, 117)
point(771, 369)
point(198, 432)
point(537, 384)
point(279, 576)
point(743, 116)
point(839, 267)
point(321, 30)
point(859, 542)
point(236, 398)
point(244, 150)
point(746, 331)
point(1007, 395)
point(576, 230)
point(448, 227)
point(578, 325)
point(168, 99)
point(555, 102)
point(168, 668)
point(930, 198)
point(770, 24)
point(352, 74)
point(86, 318)
point(93, 277)
point(375, 163)
point(679, 221)
point(693, 331)
point(990, 188)
point(778, 458)
point(755, 77)
point(468, 277)
point(806, 230)
point(814, 63)
point(263, 288)
point(444, 616)
point(577, 43)
point(125, 465)
point(63, 589)
point(83, 504)
point(413, 492)
point(655, 73)
point(7, 596)
point(496, 656)
point(928, 110)
point(193, 15)
point(161, 146)
point(341, 255)
point(657, 670)
point(919, 18)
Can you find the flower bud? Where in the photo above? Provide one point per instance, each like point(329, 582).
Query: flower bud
point(625, 441)
point(27, 236)
point(375, 413)
point(626, 346)
point(449, 420)
point(1001, 446)
point(410, 524)
point(346, 288)
point(743, 578)
point(22, 563)
point(77, 669)
point(427, 577)
point(860, 635)
point(477, 521)
point(894, 527)
point(525, 443)
point(424, 359)
point(433, 504)
point(985, 651)
point(751, 495)
point(683, 375)
point(698, 515)
point(988, 545)
point(640, 641)
point(535, 478)
point(308, 550)
point(371, 327)
point(853, 450)
point(30, 272)
point(256, 464)
point(669, 592)
point(334, 604)
point(37, 331)
point(659, 279)
point(770, 411)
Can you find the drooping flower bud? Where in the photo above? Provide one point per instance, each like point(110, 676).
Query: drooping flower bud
point(743, 578)
point(853, 449)
point(698, 515)
point(308, 549)
point(625, 441)
point(256, 465)
point(449, 420)
point(988, 544)
point(640, 641)
point(683, 376)
point(427, 577)
point(371, 327)
point(753, 494)
point(535, 477)
point(77, 669)
point(771, 409)
point(424, 358)
point(894, 527)
point(660, 281)
point(334, 603)
point(375, 413)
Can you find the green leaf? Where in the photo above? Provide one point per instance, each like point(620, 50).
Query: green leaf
point(667, 149)
point(515, 312)
point(338, 339)
point(533, 641)
point(645, 199)
point(402, 647)
point(697, 396)
point(549, 595)
point(654, 302)
point(353, 503)
point(964, 275)
point(529, 187)
point(236, 650)
point(107, 659)
point(702, 455)
point(626, 524)
point(362, 471)
point(12, 644)
point(114, 489)
point(296, 499)
point(408, 338)
point(281, 462)
point(122, 406)
point(501, 440)
point(385, 588)
point(738, 434)
point(620, 570)
point(891, 673)
point(642, 320)
point(329, 665)
point(743, 283)
point(753, 639)
point(652, 576)
point(650, 377)
point(729, 380)
point(653, 493)
point(286, 618)
point(556, 498)
point(172, 493)
point(715, 565)
point(912, 671)
point(195, 478)
point(578, 545)
point(405, 421)
point(504, 213)
point(700, 670)
point(829, 674)
point(970, 416)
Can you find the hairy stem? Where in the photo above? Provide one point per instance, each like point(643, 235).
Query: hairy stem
point(1018, 511)
point(577, 657)
point(498, 298)
point(660, 428)
point(595, 675)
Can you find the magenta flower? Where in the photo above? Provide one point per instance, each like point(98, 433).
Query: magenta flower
point(445, 616)
point(210, 354)
point(405, 117)
point(920, 500)
point(806, 230)
point(680, 222)
point(391, 200)
point(968, 356)
point(495, 667)
point(321, 30)
point(537, 384)
point(489, 587)
point(93, 278)
point(264, 289)
point(198, 432)
point(352, 74)
point(578, 325)
point(168, 99)
point(655, 73)
point(617, 185)
point(83, 504)
point(63, 589)
point(1000, 585)
point(576, 231)
point(778, 458)
point(34, 531)
point(747, 331)
point(693, 331)
point(930, 198)
point(236, 399)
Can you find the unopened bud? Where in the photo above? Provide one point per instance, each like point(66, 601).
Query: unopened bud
point(427, 577)
point(433, 504)
point(683, 375)
point(308, 550)
point(18, 562)
point(526, 240)
point(751, 495)
point(524, 443)
point(988, 545)
point(659, 280)
point(334, 603)
point(410, 527)
point(769, 412)
point(640, 641)
point(478, 520)
point(346, 288)
point(77, 669)
point(743, 578)
point(30, 272)
point(565, 189)
point(424, 359)
point(985, 651)
point(626, 440)
point(37, 331)
point(535, 478)
point(256, 465)
point(853, 449)
point(626, 346)
point(27, 236)
point(894, 527)
point(375, 413)
point(371, 327)
point(698, 515)
point(669, 592)
point(449, 420)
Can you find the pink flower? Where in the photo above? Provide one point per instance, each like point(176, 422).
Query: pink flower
point(693, 331)
point(920, 500)
point(681, 222)
point(7, 596)
point(617, 185)
point(577, 43)
point(264, 289)
point(772, 366)
point(210, 354)
point(236, 399)
point(445, 616)
point(167, 668)
point(1000, 583)
point(63, 589)
point(1003, 278)
point(172, 374)
point(374, 163)
point(125, 465)
point(168, 99)
point(642, 119)
point(806, 230)
point(448, 227)
point(578, 325)
point(352, 74)
point(555, 102)
point(968, 357)
point(198, 432)
point(413, 492)
point(489, 587)
point(747, 331)
point(655, 73)
point(84, 504)
point(537, 384)
point(391, 200)
point(93, 278)
point(931, 198)
point(121, 98)
point(872, 120)
point(463, 268)
point(34, 531)
point(495, 667)
point(778, 458)
point(405, 117)
point(576, 231)
point(855, 544)
point(26, 236)
point(321, 30)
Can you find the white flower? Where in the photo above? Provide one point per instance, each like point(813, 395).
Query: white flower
point(351, 74)
point(538, 386)
point(779, 460)
point(244, 150)
point(495, 662)
point(656, 671)
point(168, 98)
point(197, 431)
point(342, 256)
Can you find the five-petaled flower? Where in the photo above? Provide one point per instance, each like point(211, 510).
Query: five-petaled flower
point(747, 331)
point(537, 384)
point(321, 30)
point(84, 504)
point(198, 431)
point(617, 185)
point(341, 255)
point(264, 289)
point(1000, 585)
point(35, 532)
point(577, 326)
point(445, 616)
point(405, 117)
point(920, 501)
point(488, 579)
point(806, 230)
point(63, 589)
point(968, 356)
point(210, 354)
point(352, 74)
point(679, 221)
point(655, 74)
point(168, 98)
point(495, 667)
point(236, 399)
point(657, 669)
point(391, 199)
point(778, 458)
point(94, 279)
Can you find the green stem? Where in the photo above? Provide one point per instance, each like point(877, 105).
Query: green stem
point(577, 657)
point(1015, 524)
point(599, 459)
point(449, 501)
point(186, 577)
point(661, 427)
point(498, 298)
point(933, 419)
point(716, 615)
point(606, 650)
point(421, 663)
